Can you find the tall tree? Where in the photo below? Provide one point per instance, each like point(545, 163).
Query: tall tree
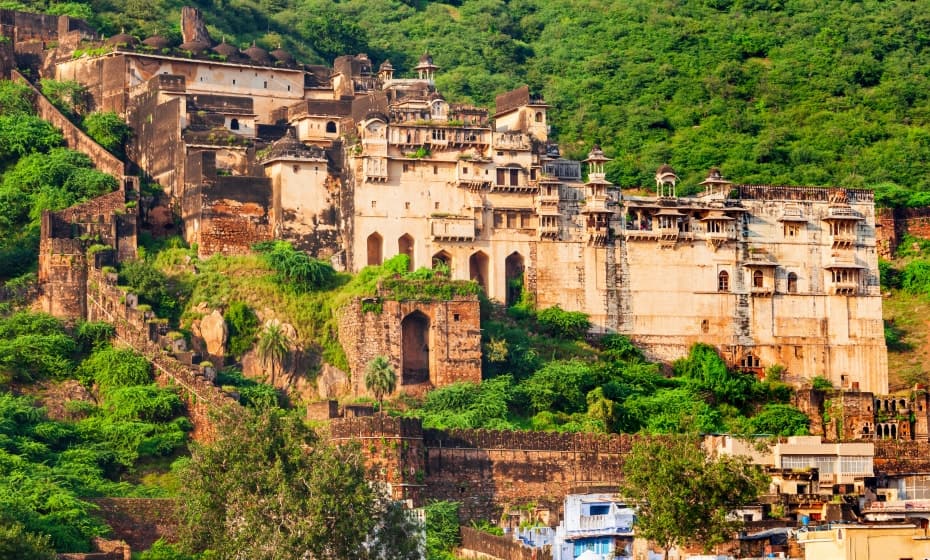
point(273, 346)
point(682, 495)
point(269, 489)
point(380, 379)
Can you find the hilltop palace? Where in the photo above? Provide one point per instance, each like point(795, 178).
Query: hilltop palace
point(357, 165)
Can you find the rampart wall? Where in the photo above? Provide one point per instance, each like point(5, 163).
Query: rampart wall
point(487, 471)
point(141, 330)
point(895, 223)
point(76, 138)
point(140, 521)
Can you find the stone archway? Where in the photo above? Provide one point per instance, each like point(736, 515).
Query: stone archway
point(375, 249)
point(405, 247)
point(415, 341)
point(443, 259)
point(513, 267)
point(478, 269)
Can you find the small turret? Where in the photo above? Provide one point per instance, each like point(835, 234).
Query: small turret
point(666, 181)
point(426, 70)
point(386, 71)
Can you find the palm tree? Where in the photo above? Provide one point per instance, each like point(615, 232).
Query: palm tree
point(380, 379)
point(273, 346)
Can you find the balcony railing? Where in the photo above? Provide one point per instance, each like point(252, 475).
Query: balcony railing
point(599, 205)
point(511, 141)
point(847, 288)
point(549, 231)
point(844, 239)
point(609, 523)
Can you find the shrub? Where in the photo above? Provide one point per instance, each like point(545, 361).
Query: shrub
point(112, 368)
point(295, 268)
point(148, 403)
point(567, 324)
point(821, 383)
point(92, 335)
point(916, 277)
point(780, 420)
point(243, 326)
point(442, 528)
point(108, 130)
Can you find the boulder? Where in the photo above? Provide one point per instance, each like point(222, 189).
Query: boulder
point(215, 333)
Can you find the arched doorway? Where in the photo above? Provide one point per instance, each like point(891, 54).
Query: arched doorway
point(415, 348)
point(375, 247)
point(513, 272)
point(443, 260)
point(405, 247)
point(478, 269)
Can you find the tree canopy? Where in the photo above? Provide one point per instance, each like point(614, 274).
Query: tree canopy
point(682, 495)
point(270, 489)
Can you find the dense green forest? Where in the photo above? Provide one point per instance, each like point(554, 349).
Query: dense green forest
point(823, 92)
point(105, 429)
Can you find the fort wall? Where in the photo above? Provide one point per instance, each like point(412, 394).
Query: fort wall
point(141, 330)
point(897, 223)
point(76, 138)
point(139, 521)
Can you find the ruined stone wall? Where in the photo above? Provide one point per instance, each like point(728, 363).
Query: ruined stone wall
point(898, 222)
point(454, 338)
point(104, 77)
point(900, 457)
point(235, 215)
point(64, 238)
point(393, 449)
point(145, 334)
point(490, 470)
point(139, 521)
point(62, 276)
point(75, 138)
point(486, 470)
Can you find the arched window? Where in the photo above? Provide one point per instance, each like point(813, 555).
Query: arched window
point(723, 281)
point(405, 247)
point(792, 283)
point(757, 279)
point(539, 116)
point(331, 127)
point(234, 124)
point(375, 249)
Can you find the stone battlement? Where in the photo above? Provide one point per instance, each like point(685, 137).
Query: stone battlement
point(814, 194)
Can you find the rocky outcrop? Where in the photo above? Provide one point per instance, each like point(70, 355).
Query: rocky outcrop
point(215, 333)
point(194, 28)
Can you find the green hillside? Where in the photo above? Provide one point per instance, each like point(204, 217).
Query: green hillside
point(773, 91)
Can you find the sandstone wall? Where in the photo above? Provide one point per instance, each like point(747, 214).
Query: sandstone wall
point(76, 138)
point(454, 338)
point(144, 333)
point(140, 521)
point(898, 222)
point(490, 470)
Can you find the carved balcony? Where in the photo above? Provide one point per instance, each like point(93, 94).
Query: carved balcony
point(452, 228)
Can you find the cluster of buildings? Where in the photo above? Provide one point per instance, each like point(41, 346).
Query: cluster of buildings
point(357, 164)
